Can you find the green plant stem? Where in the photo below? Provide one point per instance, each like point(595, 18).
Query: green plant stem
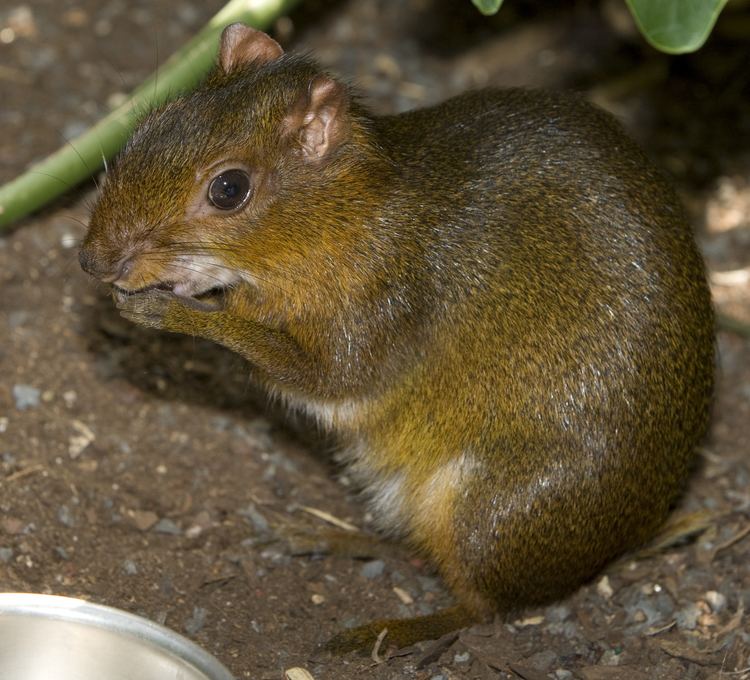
point(83, 156)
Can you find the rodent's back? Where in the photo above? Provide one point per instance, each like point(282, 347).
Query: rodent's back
point(570, 356)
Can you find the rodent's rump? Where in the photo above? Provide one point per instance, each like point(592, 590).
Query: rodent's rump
point(496, 303)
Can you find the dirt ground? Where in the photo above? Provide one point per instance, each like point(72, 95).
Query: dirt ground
point(140, 470)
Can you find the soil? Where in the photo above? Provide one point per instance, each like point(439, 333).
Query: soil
point(142, 471)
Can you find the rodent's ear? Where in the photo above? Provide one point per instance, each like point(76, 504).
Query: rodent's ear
point(319, 121)
point(241, 45)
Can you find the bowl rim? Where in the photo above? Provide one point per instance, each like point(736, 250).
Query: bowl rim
point(57, 607)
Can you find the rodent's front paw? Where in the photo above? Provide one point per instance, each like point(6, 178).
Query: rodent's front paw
point(149, 308)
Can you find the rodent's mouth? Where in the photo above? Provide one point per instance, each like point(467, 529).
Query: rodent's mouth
point(210, 300)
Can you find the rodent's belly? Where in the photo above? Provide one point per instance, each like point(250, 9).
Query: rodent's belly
point(409, 500)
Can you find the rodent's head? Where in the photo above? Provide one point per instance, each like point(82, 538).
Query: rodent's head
point(198, 192)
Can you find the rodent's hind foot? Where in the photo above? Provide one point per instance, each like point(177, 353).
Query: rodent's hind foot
point(400, 632)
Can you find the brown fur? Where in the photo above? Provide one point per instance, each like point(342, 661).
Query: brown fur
point(496, 304)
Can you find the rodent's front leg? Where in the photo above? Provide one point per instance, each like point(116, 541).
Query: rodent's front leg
point(152, 308)
point(271, 350)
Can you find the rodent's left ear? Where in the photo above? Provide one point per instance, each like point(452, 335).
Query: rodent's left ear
point(319, 120)
point(241, 45)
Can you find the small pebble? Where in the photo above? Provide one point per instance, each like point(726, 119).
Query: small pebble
point(12, 525)
point(373, 569)
point(717, 600)
point(541, 661)
point(424, 608)
point(167, 526)
point(687, 617)
point(65, 516)
point(144, 519)
point(62, 553)
point(317, 598)
point(610, 658)
point(259, 522)
point(429, 584)
point(276, 556)
point(188, 15)
point(130, 567)
point(220, 423)
point(74, 129)
point(166, 587)
point(193, 531)
point(570, 629)
point(562, 674)
point(604, 588)
point(298, 674)
point(18, 318)
point(196, 621)
point(6, 554)
point(26, 396)
point(461, 657)
point(559, 613)
point(350, 622)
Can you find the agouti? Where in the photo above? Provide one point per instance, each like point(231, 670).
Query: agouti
point(495, 304)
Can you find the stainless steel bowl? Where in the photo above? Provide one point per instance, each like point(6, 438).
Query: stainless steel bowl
point(44, 637)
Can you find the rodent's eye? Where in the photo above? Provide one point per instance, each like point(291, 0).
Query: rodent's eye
point(230, 189)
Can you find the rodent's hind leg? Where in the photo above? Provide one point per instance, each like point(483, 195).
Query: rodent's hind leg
point(400, 632)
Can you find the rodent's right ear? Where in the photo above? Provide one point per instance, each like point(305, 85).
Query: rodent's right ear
point(319, 121)
point(241, 45)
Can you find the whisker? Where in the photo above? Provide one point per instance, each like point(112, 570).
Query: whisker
point(79, 221)
point(81, 158)
point(168, 261)
point(197, 246)
point(156, 70)
point(195, 270)
point(55, 177)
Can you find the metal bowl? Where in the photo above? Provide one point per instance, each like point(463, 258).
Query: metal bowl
point(44, 637)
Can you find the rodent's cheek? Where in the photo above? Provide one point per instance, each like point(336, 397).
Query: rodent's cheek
point(199, 211)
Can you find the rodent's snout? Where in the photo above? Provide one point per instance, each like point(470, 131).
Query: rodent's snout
point(104, 271)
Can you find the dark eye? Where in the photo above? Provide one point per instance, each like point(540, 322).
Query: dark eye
point(230, 189)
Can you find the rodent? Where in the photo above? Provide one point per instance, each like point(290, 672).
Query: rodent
point(496, 304)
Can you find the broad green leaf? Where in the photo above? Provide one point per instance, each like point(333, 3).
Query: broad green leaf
point(676, 26)
point(488, 6)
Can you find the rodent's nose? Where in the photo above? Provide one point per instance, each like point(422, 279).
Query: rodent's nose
point(103, 271)
point(87, 260)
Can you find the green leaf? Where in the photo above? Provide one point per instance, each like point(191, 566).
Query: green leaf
point(676, 26)
point(488, 7)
